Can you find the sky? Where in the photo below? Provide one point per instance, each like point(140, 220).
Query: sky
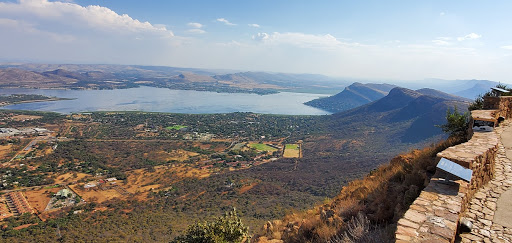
point(380, 39)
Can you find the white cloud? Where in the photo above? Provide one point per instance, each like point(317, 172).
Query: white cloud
point(196, 31)
point(72, 15)
point(195, 25)
point(302, 40)
point(442, 14)
point(261, 36)
point(66, 32)
point(254, 25)
point(443, 41)
point(225, 21)
point(26, 28)
point(471, 36)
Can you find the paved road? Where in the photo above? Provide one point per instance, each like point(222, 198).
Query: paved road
point(490, 209)
point(503, 214)
point(506, 140)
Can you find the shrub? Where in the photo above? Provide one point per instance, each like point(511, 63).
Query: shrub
point(228, 228)
point(456, 123)
point(478, 104)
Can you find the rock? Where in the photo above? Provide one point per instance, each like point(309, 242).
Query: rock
point(485, 222)
point(408, 223)
point(491, 205)
point(443, 232)
point(401, 230)
point(415, 216)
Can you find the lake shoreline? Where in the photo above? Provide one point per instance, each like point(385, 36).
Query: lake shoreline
point(151, 99)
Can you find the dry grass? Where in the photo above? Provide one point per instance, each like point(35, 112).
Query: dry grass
point(96, 195)
point(38, 199)
point(24, 117)
point(291, 151)
point(5, 150)
point(70, 177)
point(143, 181)
point(370, 206)
point(178, 155)
point(246, 188)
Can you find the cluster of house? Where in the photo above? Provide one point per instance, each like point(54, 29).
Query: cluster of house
point(198, 136)
point(4, 209)
point(7, 132)
point(14, 204)
point(100, 183)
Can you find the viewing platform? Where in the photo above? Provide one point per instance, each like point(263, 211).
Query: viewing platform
point(476, 208)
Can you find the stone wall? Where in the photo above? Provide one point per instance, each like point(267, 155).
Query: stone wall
point(479, 155)
point(503, 104)
point(434, 215)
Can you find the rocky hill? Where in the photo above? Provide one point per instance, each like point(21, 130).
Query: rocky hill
point(364, 209)
point(355, 95)
point(13, 77)
point(439, 94)
point(407, 116)
point(476, 90)
point(104, 76)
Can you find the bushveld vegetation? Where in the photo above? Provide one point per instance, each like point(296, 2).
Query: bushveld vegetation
point(107, 143)
point(367, 208)
point(228, 228)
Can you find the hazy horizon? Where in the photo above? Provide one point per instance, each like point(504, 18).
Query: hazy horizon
point(367, 40)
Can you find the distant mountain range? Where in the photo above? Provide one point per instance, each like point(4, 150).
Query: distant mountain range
point(404, 115)
point(76, 76)
point(105, 76)
point(358, 94)
point(465, 88)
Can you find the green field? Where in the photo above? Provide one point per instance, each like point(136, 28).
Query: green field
point(262, 147)
point(292, 146)
point(176, 127)
point(50, 187)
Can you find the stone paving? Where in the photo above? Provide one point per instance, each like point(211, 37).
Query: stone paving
point(490, 210)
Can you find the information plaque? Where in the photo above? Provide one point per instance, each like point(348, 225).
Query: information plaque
point(500, 90)
point(455, 169)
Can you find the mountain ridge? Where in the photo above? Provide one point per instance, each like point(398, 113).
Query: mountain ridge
point(417, 114)
point(352, 96)
point(126, 76)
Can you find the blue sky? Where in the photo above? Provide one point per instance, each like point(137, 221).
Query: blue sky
point(357, 39)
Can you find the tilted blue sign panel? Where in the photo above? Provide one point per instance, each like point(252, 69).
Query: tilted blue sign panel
point(455, 169)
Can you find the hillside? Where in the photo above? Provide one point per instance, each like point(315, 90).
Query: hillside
point(13, 77)
point(407, 116)
point(476, 90)
point(365, 210)
point(439, 94)
point(102, 76)
point(401, 120)
point(336, 149)
point(355, 95)
point(464, 88)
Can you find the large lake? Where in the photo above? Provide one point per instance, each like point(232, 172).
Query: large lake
point(167, 100)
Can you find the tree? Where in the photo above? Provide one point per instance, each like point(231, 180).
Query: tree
point(478, 104)
point(228, 228)
point(456, 123)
